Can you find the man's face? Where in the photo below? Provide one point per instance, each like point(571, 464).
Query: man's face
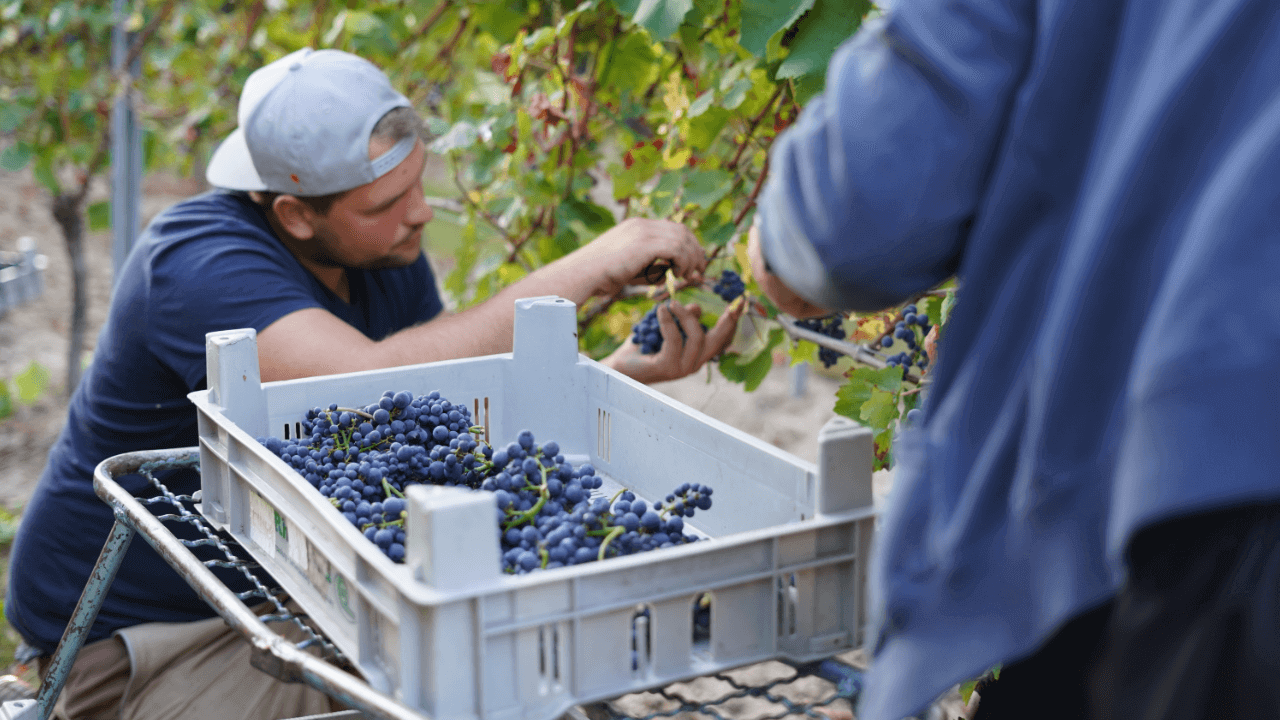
point(378, 225)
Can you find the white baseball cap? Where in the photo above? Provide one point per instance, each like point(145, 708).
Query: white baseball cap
point(305, 122)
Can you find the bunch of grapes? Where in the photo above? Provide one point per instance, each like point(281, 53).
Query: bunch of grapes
point(550, 517)
point(730, 286)
point(362, 460)
point(911, 331)
point(832, 326)
point(648, 334)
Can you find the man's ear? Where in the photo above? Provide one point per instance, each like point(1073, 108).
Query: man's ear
point(295, 216)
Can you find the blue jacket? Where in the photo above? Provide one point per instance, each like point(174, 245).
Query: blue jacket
point(1104, 178)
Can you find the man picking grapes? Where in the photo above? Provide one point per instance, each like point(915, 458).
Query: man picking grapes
point(314, 239)
point(1092, 496)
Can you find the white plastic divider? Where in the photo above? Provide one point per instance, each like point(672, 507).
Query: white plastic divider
point(782, 575)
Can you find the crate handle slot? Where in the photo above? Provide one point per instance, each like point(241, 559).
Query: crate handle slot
point(642, 640)
point(788, 605)
point(476, 417)
point(703, 612)
point(604, 434)
point(549, 655)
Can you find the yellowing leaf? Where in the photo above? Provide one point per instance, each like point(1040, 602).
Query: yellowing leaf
point(871, 328)
point(744, 263)
point(31, 382)
point(804, 351)
point(510, 272)
point(677, 159)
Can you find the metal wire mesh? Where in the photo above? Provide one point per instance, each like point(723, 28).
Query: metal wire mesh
point(765, 691)
point(234, 556)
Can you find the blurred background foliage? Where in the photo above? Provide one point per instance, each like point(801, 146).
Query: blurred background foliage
point(551, 122)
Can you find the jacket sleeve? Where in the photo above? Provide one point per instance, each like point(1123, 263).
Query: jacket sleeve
point(871, 192)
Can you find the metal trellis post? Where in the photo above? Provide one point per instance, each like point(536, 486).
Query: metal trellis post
point(126, 147)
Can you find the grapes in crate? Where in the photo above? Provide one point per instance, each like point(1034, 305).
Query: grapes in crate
point(548, 513)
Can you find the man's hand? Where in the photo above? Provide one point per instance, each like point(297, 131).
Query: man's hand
point(678, 357)
point(777, 291)
point(619, 256)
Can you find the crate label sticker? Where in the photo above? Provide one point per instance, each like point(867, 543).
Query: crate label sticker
point(344, 597)
point(318, 571)
point(289, 541)
point(262, 523)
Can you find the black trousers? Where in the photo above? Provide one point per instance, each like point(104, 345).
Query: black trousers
point(1194, 634)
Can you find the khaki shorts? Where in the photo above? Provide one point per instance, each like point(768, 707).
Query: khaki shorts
point(160, 671)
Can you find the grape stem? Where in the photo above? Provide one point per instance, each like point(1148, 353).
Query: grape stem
point(615, 532)
point(531, 513)
point(354, 411)
point(389, 490)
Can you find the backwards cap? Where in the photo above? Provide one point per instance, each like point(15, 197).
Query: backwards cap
point(305, 122)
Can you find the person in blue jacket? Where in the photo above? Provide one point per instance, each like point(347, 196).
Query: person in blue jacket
point(1093, 495)
point(314, 239)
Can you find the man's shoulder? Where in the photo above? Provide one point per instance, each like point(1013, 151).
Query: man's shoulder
point(205, 227)
point(216, 212)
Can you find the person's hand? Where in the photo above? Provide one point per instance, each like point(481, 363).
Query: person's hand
point(678, 357)
point(620, 256)
point(777, 291)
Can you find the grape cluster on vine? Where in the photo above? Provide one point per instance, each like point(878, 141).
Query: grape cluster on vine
point(730, 286)
point(547, 513)
point(911, 331)
point(648, 333)
point(833, 327)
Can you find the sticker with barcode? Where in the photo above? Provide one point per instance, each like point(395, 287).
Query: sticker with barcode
point(262, 523)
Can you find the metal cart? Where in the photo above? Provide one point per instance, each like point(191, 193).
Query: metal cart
point(767, 691)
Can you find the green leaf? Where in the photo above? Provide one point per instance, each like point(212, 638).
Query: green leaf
point(12, 115)
point(808, 86)
point(661, 17)
point(879, 410)
point(966, 690)
point(701, 104)
point(717, 233)
point(630, 65)
point(948, 303)
point(761, 19)
point(663, 196)
point(593, 218)
point(705, 188)
point(44, 171)
point(457, 281)
point(930, 305)
point(752, 372)
point(6, 400)
point(100, 216)
point(737, 93)
point(862, 382)
point(15, 157)
point(804, 351)
point(822, 30)
point(705, 128)
point(461, 135)
point(31, 382)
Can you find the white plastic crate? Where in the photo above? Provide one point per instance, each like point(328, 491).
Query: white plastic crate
point(448, 632)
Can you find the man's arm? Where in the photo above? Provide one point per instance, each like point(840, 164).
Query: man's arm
point(870, 193)
point(315, 342)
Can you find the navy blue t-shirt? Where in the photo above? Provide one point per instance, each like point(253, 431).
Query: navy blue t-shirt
point(207, 264)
